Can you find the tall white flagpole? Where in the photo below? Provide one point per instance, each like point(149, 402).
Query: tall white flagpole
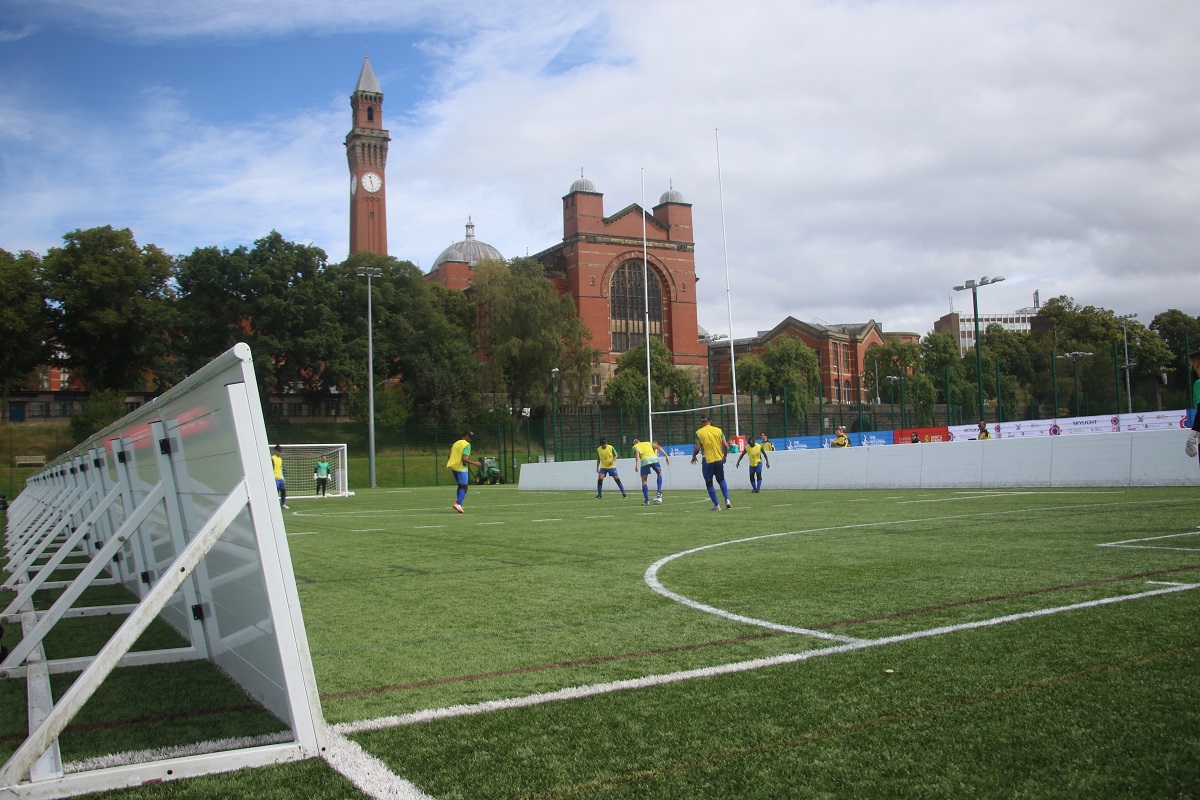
point(728, 304)
point(646, 306)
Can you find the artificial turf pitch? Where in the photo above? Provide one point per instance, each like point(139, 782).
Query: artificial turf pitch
point(907, 643)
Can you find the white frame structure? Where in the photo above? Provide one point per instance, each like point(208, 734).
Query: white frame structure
point(177, 502)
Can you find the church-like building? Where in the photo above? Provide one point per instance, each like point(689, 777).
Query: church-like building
point(600, 263)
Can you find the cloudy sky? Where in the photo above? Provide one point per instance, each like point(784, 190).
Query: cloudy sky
point(868, 154)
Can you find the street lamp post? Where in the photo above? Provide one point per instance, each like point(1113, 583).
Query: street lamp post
point(554, 407)
point(892, 400)
point(974, 285)
point(369, 273)
point(1074, 358)
point(1125, 336)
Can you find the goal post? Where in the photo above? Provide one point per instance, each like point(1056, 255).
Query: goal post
point(300, 473)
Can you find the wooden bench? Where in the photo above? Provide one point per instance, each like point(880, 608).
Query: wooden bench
point(29, 461)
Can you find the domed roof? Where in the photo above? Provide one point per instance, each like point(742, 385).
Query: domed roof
point(469, 250)
point(582, 185)
point(671, 196)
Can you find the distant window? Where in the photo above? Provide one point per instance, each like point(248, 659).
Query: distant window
point(370, 113)
point(627, 306)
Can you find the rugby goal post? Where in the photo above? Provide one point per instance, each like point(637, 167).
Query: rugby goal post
point(177, 503)
point(299, 469)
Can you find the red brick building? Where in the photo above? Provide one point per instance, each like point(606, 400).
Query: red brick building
point(599, 263)
point(841, 350)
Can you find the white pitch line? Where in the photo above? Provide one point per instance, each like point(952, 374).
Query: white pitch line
point(368, 773)
point(366, 530)
point(651, 574)
point(302, 533)
point(422, 527)
point(1151, 538)
point(576, 692)
point(651, 578)
point(546, 520)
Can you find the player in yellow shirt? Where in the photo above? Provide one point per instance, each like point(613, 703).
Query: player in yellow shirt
point(711, 441)
point(841, 439)
point(647, 454)
point(606, 464)
point(277, 468)
point(458, 464)
point(766, 443)
point(758, 455)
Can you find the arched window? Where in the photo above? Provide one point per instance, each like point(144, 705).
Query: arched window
point(627, 309)
point(370, 113)
point(847, 392)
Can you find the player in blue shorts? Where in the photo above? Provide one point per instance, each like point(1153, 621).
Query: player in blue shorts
point(457, 464)
point(647, 460)
point(606, 464)
point(757, 457)
point(711, 441)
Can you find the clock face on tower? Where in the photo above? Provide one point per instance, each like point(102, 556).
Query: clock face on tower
point(372, 182)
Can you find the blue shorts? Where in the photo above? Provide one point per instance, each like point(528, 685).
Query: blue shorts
point(608, 471)
point(714, 470)
point(280, 485)
point(756, 469)
point(462, 476)
point(647, 468)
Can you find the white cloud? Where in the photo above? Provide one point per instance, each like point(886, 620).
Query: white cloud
point(873, 155)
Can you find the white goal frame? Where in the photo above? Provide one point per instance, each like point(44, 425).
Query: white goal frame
point(298, 474)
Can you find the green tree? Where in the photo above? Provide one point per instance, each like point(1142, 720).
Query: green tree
point(417, 347)
point(24, 321)
point(753, 377)
point(526, 329)
point(102, 409)
point(794, 368)
point(627, 389)
point(1181, 334)
point(213, 305)
point(111, 305)
point(279, 297)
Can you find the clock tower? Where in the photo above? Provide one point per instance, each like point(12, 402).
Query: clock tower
point(366, 153)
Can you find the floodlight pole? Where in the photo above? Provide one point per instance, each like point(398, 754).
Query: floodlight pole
point(1125, 335)
point(974, 285)
point(369, 273)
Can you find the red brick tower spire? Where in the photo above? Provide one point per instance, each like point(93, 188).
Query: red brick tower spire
point(366, 153)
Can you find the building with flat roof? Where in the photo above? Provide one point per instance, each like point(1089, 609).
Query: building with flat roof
point(962, 326)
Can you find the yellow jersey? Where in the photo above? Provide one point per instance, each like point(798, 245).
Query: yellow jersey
point(645, 453)
point(754, 453)
point(607, 456)
point(711, 439)
point(277, 466)
point(460, 449)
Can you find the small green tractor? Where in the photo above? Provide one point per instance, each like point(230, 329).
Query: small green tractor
point(488, 471)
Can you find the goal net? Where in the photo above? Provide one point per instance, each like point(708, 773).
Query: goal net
point(301, 470)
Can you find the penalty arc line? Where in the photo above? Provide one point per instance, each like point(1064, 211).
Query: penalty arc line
point(592, 690)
